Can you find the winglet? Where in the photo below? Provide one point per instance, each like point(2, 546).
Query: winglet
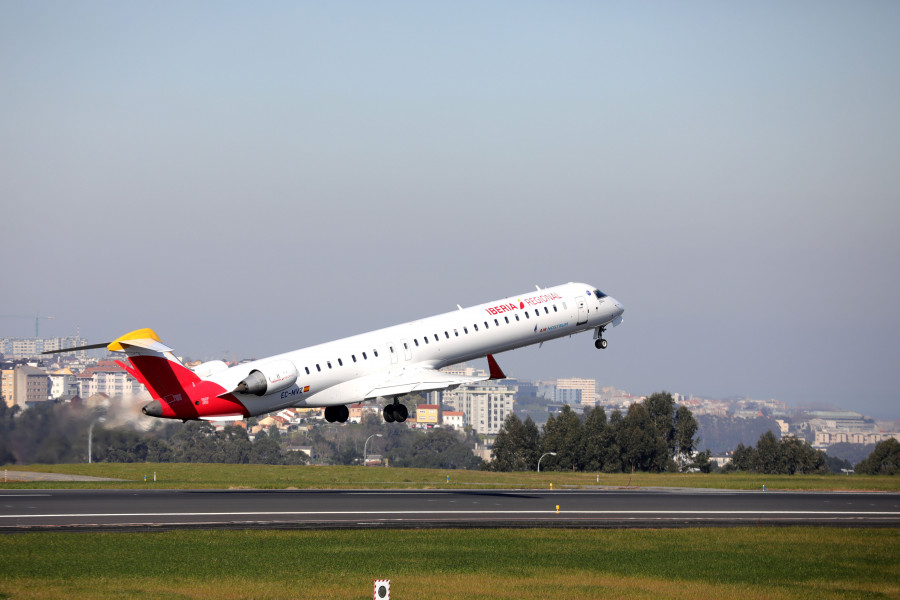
point(496, 371)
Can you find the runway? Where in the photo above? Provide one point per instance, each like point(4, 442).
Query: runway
point(24, 510)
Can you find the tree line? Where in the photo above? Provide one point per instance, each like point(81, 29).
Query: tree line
point(53, 433)
point(786, 456)
point(652, 435)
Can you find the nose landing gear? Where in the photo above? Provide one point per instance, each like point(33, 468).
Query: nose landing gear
point(599, 342)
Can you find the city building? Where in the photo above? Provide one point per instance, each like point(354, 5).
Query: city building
point(486, 404)
point(16, 348)
point(63, 384)
point(8, 387)
point(107, 377)
point(574, 391)
point(428, 414)
point(31, 385)
point(455, 419)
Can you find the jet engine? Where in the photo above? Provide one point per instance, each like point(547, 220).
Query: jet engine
point(269, 378)
point(208, 369)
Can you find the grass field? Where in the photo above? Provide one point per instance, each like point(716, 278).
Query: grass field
point(219, 476)
point(460, 564)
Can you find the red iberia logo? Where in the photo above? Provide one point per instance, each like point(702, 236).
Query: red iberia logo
point(531, 301)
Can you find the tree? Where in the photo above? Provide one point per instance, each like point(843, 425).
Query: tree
point(884, 460)
point(744, 458)
point(611, 453)
point(436, 449)
point(595, 429)
point(563, 435)
point(643, 449)
point(531, 439)
point(266, 448)
point(661, 408)
point(774, 456)
point(685, 430)
point(768, 454)
point(509, 446)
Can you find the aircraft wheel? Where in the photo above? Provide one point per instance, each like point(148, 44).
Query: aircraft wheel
point(329, 414)
point(343, 413)
point(400, 412)
point(388, 413)
point(600, 344)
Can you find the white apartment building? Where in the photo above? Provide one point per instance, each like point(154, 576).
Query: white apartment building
point(455, 419)
point(107, 378)
point(63, 384)
point(486, 404)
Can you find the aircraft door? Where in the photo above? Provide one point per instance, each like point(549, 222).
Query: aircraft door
point(392, 349)
point(407, 351)
point(582, 310)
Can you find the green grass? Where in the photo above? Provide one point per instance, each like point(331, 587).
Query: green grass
point(219, 476)
point(460, 564)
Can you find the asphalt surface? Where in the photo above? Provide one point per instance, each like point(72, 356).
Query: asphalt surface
point(23, 510)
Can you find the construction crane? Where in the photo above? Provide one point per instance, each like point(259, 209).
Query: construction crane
point(37, 321)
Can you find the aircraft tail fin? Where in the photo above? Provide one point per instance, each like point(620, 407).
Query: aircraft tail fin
point(152, 363)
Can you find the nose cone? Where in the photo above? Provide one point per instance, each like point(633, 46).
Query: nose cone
point(618, 309)
point(153, 409)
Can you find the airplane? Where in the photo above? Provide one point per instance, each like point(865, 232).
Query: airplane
point(387, 363)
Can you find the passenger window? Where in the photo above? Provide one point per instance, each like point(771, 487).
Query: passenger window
point(517, 318)
point(475, 326)
point(391, 348)
point(436, 338)
point(456, 332)
point(496, 322)
point(506, 319)
point(426, 339)
point(307, 370)
point(353, 356)
point(447, 333)
point(416, 342)
point(405, 346)
point(318, 368)
point(554, 308)
point(527, 316)
point(340, 363)
point(329, 363)
point(565, 307)
point(546, 311)
point(466, 330)
point(486, 325)
point(375, 352)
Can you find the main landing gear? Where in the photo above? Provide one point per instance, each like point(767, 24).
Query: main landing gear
point(338, 414)
point(395, 413)
point(599, 342)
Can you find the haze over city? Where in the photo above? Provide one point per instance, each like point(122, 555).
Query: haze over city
point(249, 179)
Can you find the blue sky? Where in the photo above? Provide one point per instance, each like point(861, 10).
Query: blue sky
point(255, 178)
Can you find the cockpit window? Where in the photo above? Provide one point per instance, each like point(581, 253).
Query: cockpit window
point(599, 294)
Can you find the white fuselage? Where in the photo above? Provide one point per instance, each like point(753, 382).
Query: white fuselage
point(340, 372)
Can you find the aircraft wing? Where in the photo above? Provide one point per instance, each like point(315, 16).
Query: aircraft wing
point(417, 379)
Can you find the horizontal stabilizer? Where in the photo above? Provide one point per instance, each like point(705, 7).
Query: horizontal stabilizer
point(88, 347)
point(140, 338)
